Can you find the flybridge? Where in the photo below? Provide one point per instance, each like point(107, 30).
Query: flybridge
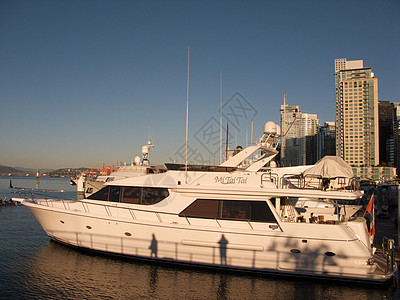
point(198, 168)
point(245, 159)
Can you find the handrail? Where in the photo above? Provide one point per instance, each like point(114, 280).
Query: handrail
point(286, 177)
point(108, 210)
point(271, 177)
point(388, 252)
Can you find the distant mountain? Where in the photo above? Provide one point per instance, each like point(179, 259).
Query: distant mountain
point(65, 172)
point(30, 170)
point(82, 169)
point(6, 169)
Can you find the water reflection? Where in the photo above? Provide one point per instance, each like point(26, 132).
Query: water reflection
point(59, 270)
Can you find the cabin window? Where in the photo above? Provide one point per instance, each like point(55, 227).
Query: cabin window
point(153, 195)
point(236, 210)
point(260, 212)
point(135, 195)
point(203, 209)
point(255, 211)
point(114, 193)
point(131, 195)
point(100, 195)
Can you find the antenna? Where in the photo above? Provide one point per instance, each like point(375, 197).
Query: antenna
point(251, 142)
point(236, 137)
point(226, 144)
point(283, 126)
point(220, 118)
point(187, 116)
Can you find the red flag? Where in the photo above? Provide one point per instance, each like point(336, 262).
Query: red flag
point(370, 209)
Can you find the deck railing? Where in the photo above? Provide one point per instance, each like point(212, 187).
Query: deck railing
point(108, 209)
point(286, 181)
point(388, 252)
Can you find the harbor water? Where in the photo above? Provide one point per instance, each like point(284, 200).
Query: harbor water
point(34, 267)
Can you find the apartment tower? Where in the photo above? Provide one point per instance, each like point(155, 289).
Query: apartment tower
point(357, 124)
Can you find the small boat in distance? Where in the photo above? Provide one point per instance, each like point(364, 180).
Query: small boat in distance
point(237, 216)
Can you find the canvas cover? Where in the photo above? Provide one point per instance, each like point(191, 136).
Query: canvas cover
point(330, 167)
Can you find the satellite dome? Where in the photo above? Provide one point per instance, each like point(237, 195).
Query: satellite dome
point(270, 128)
point(278, 131)
point(137, 160)
point(145, 149)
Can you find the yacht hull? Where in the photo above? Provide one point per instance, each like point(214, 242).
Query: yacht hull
point(238, 245)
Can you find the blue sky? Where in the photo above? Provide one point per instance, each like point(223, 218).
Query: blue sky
point(86, 82)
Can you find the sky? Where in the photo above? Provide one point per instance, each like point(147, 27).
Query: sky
point(89, 82)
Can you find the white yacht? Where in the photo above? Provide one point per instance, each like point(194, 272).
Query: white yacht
point(237, 216)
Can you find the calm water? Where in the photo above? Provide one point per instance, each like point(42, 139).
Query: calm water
point(33, 267)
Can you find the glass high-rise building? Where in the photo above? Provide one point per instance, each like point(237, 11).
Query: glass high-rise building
point(387, 120)
point(291, 132)
point(308, 139)
point(326, 140)
point(357, 123)
point(299, 136)
point(396, 134)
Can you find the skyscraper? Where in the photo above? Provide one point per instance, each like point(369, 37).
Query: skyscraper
point(396, 134)
point(299, 133)
point(357, 133)
point(387, 119)
point(308, 139)
point(326, 137)
point(291, 130)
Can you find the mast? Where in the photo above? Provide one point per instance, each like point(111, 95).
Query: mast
point(283, 126)
point(187, 116)
point(227, 135)
point(251, 135)
point(220, 118)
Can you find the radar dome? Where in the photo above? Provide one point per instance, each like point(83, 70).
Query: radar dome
point(270, 128)
point(278, 131)
point(137, 160)
point(145, 149)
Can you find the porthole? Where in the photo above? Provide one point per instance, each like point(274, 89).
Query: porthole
point(88, 227)
point(295, 251)
point(128, 234)
point(179, 183)
point(330, 253)
point(61, 221)
point(304, 241)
